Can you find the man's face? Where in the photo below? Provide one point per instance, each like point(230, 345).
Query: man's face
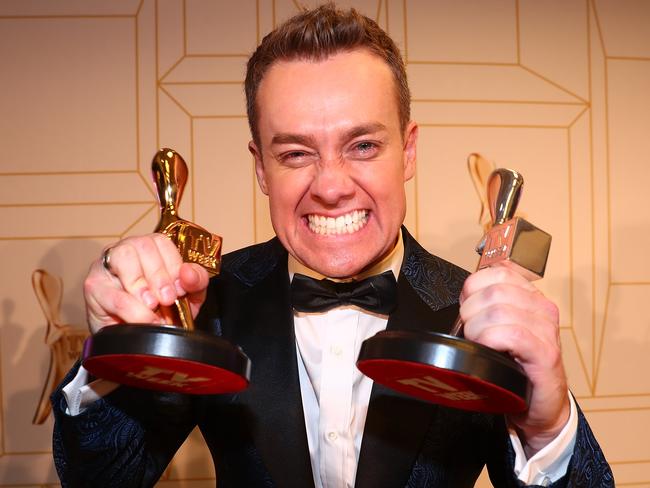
point(333, 159)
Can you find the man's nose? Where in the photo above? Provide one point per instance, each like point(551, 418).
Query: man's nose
point(333, 182)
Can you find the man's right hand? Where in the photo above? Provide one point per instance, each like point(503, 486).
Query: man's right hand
point(145, 272)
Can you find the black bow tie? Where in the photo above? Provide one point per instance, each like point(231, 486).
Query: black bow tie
point(375, 294)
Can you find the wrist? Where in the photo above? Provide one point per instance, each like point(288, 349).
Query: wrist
point(535, 437)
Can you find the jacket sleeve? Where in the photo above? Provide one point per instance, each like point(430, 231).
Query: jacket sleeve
point(588, 467)
point(123, 440)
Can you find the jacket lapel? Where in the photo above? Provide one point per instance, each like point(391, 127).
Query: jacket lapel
point(266, 334)
point(396, 424)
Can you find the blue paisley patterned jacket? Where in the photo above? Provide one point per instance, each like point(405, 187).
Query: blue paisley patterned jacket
point(257, 438)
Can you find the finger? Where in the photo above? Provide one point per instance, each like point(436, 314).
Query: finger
point(193, 278)
point(536, 356)
point(193, 281)
point(509, 294)
point(508, 315)
point(490, 276)
point(107, 305)
point(142, 270)
point(168, 276)
point(126, 269)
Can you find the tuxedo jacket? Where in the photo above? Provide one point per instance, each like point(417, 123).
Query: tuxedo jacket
point(258, 438)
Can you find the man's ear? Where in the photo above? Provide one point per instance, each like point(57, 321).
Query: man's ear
point(259, 167)
point(410, 149)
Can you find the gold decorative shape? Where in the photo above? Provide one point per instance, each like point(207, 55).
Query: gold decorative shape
point(480, 170)
point(171, 35)
point(48, 221)
point(220, 187)
point(626, 335)
point(175, 124)
point(101, 188)
point(396, 23)
point(89, 65)
point(462, 31)
point(574, 363)
point(496, 113)
point(45, 8)
point(625, 27)
point(598, 127)
point(200, 99)
point(64, 341)
point(287, 8)
point(217, 28)
point(207, 69)
point(498, 83)
point(568, 66)
point(581, 278)
point(629, 119)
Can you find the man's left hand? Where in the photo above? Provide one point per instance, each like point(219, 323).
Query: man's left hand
point(504, 311)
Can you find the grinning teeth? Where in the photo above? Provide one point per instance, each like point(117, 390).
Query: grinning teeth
point(343, 224)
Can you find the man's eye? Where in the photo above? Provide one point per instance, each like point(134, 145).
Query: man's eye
point(365, 148)
point(293, 158)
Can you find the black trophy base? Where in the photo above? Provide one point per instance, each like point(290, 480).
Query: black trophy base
point(166, 358)
point(446, 370)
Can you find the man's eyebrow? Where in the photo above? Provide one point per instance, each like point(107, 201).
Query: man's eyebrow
point(364, 129)
point(288, 138)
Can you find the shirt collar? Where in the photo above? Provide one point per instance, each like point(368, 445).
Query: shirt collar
point(391, 262)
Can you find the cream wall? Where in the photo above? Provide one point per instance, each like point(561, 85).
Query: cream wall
point(559, 89)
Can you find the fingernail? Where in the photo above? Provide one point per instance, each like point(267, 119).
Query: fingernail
point(149, 299)
point(167, 294)
point(195, 276)
point(179, 288)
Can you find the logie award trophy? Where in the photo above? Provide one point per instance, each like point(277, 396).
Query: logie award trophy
point(446, 368)
point(173, 357)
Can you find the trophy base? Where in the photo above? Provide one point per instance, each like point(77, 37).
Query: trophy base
point(166, 358)
point(446, 370)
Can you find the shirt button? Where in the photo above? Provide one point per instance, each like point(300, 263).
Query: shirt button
point(332, 436)
point(336, 350)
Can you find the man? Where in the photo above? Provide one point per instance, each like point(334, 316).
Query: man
point(328, 106)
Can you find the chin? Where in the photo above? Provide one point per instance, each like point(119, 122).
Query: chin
point(339, 266)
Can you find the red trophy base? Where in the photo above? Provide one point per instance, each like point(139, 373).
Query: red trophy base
point(166, 358)
point(446, 370)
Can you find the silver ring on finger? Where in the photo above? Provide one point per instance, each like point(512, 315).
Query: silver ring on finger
point(106, 260)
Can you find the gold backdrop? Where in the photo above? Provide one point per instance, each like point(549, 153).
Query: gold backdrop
point(558, 89)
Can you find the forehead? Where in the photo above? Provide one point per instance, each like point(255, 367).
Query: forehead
point(339, 89)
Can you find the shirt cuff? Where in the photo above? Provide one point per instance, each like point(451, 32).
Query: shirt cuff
point(550, 463)
point(79, 394)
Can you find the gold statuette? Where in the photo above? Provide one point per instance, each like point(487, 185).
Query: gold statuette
point(173, 357)
point(446, 368)
point(195, 244)
point(512, 241)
